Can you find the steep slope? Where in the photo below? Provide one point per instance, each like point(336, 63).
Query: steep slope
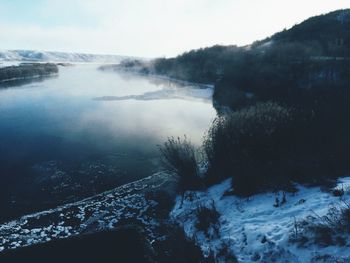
point(312, 55)
point(321, 36)
point(329, 32)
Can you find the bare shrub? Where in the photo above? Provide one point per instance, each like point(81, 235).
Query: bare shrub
point(207, 217)
point(179, 158)
point(253, 145)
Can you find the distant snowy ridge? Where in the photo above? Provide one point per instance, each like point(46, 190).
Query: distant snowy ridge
point(42, 56)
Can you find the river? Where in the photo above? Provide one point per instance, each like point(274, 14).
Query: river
point(86, 131)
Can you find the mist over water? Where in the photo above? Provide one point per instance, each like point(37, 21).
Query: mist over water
point(58, 143)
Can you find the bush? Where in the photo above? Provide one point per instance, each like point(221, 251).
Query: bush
point(330, 229)
point(207, 217)
point(176, 247)
point(253, 145)
point(338, 218)
point(165, 202)
point(269, 146)
point(179, 158)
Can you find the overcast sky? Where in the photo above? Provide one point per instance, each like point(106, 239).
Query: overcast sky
point(148, 28)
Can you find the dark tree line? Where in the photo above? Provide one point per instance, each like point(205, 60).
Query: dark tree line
point(290, 100)
point(27, 70)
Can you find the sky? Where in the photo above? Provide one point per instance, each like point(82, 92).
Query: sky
point(148, 28)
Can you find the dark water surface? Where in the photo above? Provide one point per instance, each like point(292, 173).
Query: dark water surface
point(86, 131)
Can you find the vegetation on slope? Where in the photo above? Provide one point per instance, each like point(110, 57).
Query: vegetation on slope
point(289, 97)
point(179, 158)
point(312, 55)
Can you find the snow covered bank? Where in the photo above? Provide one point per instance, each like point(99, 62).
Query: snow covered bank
point(94, 214)
point(256, 231)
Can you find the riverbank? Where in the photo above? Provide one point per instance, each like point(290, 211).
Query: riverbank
point(27, 71)
point(133, 202)
point(129, 223)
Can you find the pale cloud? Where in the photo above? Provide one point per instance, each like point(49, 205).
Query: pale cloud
point(155, 27)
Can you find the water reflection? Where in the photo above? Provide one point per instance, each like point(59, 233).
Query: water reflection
point(22, 82)
point(185, 93)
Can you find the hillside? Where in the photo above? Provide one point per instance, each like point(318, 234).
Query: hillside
point(329, 32)
point(269, 183)
point(312, 54)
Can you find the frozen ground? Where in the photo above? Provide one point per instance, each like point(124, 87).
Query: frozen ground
point(256, 231)
point(103, 211)
point(252, 229)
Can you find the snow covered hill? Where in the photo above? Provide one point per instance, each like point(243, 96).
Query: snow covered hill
point(44, 56)
point(305, 226)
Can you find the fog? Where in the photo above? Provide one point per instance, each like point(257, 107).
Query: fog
point(148, 28)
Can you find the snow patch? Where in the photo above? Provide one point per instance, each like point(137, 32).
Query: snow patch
point(254, 230)
point(93, 214)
